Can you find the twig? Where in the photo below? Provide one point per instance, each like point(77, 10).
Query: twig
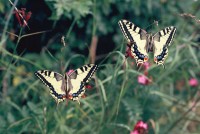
point(12, 34)
point(35, 33)
point(188, 15)
point(93, 48)
point(40, 32)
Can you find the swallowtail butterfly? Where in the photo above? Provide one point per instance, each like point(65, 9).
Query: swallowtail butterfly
point(140, 42)
point(70, 86)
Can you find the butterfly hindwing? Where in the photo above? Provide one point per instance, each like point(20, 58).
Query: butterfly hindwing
point(79, 78)
point(55, 82)
point(162, 40)
point(137, 40)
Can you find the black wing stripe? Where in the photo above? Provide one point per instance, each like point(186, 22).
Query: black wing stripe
point(164, 31)
point(59, 96)
point(49, 73)
point(90, 73)
point(86, 68)
point(125, 30)
point(171, 36)
point(81, 68)
point(134, 28)
point(160, 35)
point(45, 73)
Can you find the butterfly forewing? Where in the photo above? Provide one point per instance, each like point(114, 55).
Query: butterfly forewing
point(137, 38)
point(162, 40)
point(55, 82)
point(79, 78)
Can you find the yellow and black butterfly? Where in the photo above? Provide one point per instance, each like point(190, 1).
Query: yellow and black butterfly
point(70, 86)
point(140, 43)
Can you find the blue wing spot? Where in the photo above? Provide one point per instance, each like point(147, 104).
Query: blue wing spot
point(137, 53)
point(161, 56)
point(60, 96)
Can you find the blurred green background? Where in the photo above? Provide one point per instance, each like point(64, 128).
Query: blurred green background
point(169, 104)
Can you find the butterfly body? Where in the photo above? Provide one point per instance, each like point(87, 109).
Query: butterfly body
point(141, 43)
point(70, 86)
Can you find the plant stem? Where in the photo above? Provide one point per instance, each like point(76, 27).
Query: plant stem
point(70, 28)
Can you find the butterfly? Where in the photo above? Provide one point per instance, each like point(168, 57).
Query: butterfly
point(68, 86)
point(140, 42)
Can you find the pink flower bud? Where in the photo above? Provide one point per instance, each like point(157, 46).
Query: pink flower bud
point(140, 128)
point(193, 82)
point(70, 71)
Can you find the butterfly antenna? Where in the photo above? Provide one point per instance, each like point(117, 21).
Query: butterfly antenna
point(155, 22)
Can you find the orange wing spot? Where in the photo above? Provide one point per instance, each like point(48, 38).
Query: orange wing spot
point(146, 59)
point(64, 97)
point(70, 97)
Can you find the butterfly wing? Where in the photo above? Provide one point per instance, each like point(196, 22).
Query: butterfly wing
point(56, 83)
point(79, 78)
point(137, 38)
point(162, 40)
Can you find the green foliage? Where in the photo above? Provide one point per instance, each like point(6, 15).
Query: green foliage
point(169, 104)
point(70, 8)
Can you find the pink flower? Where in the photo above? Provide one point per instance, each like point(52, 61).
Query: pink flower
point(70, 71)
point(22, 16)
point(88, 86)
point(193, 82)
point(146, 65)
point(140, 128)
point(134, 132)
point(142, 79)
